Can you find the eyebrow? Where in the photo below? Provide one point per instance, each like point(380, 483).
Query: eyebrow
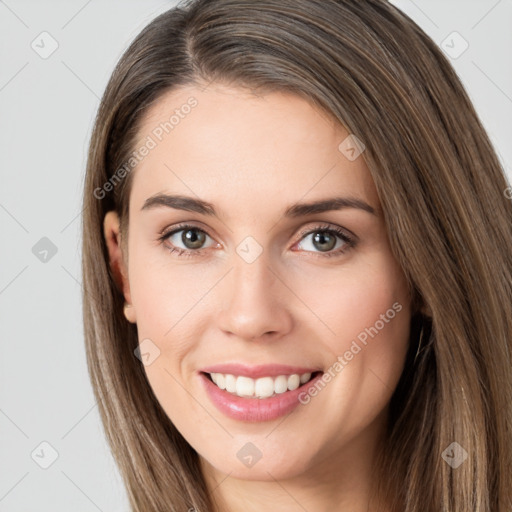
point(179, 202)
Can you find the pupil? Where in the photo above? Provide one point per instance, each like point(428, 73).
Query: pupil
point(321, 239)
point(192, 238)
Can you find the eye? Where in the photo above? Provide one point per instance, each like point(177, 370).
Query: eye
point(191, 237)
point(325, 238)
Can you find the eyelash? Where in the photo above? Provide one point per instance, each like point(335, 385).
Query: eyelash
point(324, 228)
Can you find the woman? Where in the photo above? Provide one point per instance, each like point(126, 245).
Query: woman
point(297, 254)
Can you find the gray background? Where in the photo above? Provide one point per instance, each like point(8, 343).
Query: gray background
point(47, 108)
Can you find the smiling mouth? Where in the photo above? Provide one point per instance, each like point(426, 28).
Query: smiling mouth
point(263, 387)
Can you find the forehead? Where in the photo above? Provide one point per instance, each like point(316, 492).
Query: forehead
point(226, 143)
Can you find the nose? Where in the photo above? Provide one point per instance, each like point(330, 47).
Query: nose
point(255, 301)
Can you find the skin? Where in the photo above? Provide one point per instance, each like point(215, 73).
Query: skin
point(251, 157)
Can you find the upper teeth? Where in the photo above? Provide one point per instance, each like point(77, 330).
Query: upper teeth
point(263, 387)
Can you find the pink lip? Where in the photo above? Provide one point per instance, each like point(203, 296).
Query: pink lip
point(263, 370)
point(254, 409)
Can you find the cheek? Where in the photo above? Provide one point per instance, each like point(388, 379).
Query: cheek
point(371, 319)
point(164, 291)
point(374, 308)
point(167, 300)
point(368, 315)
point(360, 302)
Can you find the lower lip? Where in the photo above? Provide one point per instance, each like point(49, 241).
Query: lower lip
point(254, 409)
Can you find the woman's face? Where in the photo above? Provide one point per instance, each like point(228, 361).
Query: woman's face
point(262, 282)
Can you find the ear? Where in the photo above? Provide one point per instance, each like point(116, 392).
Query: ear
point(111, 231)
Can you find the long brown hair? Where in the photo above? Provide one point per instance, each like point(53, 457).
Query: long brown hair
point(441, 188)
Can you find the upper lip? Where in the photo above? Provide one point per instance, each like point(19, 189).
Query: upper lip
point(263, 370)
